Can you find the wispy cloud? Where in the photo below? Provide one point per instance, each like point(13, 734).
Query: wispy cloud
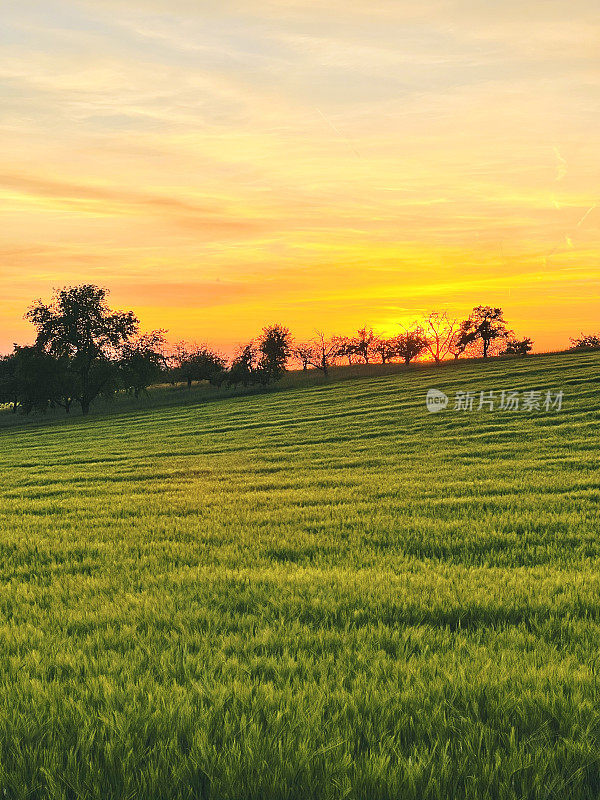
point(293, 156)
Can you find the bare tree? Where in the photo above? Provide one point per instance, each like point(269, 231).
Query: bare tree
point(439, 330)
point(458, 345)
point(386, 349)
point(344, 347)
point(302, 352)
point(324, 352)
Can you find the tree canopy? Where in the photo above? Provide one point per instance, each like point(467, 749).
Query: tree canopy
point(78, 326)
point(84, 349)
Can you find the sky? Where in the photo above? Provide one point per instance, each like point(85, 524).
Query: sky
point(223, 166)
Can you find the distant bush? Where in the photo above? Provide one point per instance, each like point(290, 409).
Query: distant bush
point(519, 347)
point(590, 341)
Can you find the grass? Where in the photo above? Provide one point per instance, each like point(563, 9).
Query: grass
point(323, 592)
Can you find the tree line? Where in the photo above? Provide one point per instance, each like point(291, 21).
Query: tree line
point(84, 350)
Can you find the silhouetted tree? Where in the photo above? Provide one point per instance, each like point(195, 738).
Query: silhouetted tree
point(484, 324)
point(78, 326)
point(199, 363)
point(439, 331)
point(386, 349)
point(343, 347)
point(411, 343)
point(274, 348)
point(143, 361)
point(324, 352)
point(302, 352)
point(244, 366)
point(519, 347)
point(9, 394)
point(363, 344)
point(459, 344)
point(31, 379)
point(586, 341)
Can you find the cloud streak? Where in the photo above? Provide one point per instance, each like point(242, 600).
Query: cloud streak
point(288, 157)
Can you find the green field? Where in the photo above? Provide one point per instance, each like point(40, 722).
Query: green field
point(322, 592)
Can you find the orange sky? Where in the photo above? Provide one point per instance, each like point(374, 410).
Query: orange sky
point(321, 165)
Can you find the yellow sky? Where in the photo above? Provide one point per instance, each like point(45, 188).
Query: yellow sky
point(223, 166)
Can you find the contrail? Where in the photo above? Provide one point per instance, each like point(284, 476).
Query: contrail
point(561, 167)
point(587, 213)
point(568, 239)
point(339, 133)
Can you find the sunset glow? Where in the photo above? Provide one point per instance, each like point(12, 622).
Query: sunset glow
point(221, 166)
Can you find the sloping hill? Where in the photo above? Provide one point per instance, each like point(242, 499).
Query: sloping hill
point(323, 592)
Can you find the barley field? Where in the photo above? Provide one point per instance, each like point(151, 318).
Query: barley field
point(319, 593)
